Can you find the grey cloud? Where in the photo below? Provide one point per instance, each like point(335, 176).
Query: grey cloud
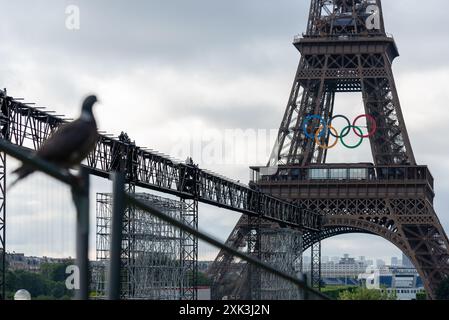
point(226, 39)
point(161, 31)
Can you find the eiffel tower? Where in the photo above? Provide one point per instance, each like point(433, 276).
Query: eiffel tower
point(346, 49)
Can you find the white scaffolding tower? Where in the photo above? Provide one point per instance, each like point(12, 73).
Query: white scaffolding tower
point(153, 251)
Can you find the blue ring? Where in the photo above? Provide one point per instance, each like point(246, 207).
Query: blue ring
point(306, 122)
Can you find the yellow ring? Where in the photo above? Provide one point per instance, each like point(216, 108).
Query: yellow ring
point(322, 146)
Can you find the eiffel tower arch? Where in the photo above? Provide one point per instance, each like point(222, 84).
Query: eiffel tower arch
point(346, 49)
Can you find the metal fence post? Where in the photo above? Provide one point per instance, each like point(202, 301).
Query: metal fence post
point(81, 200)
point(118, 211)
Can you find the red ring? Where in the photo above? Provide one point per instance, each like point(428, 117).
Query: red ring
point(373, 123)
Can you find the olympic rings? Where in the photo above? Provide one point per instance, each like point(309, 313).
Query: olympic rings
point(326, 129)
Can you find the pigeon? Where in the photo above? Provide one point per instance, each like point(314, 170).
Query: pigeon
point(69, 144)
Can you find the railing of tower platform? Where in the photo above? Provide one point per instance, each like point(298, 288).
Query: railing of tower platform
point(346, 172)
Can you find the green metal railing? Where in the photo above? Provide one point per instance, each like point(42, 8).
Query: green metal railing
point(80, 193)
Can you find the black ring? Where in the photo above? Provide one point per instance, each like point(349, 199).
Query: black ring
point(330, 123)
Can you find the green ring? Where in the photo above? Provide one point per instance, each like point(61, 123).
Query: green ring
point(343, 135)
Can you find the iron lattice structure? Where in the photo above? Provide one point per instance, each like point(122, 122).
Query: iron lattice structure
point(280, 247)
point(345, 49)
point(158, 260)
point(230, 277)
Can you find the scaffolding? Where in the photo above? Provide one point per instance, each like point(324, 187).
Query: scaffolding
point(282, 249)
point(158, 260)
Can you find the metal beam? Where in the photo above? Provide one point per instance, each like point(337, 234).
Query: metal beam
point(28, 127)
point(115, 256)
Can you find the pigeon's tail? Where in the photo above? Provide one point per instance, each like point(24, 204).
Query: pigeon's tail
point(21, 172)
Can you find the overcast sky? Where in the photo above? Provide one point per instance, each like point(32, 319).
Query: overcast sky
point(172, 73)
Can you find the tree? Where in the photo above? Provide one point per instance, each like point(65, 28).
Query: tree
point(55, 271)
point(334, 292)
point(367, 294)
point(49, 283)
point(421, 296)
point(59, 290)
point(35, 283)
point(203, 279)
point(442, 292)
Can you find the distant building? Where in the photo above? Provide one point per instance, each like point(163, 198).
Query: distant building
point(18, 261)
point(380, 263)
point(335, 259)
point(345, 268)
point(395, 262)
point(406, 263)
point(405, 282)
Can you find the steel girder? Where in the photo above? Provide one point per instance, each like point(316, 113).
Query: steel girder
point(27, 126)
point(309, 238)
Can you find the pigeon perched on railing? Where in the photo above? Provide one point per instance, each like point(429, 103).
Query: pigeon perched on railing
point(70, 144)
